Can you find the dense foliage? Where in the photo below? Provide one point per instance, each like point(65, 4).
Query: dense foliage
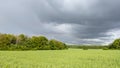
point(115, 44)
point(23, 42)
point(85, 47)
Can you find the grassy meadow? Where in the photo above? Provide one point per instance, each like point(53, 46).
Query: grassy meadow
point(71, 58)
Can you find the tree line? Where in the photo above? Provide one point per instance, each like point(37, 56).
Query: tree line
point(23, 42)
point(85, 47)
point(114, 45)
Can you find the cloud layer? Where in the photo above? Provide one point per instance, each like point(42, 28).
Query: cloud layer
point(71, 21)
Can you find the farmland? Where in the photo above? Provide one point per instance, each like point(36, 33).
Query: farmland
point(71, 58)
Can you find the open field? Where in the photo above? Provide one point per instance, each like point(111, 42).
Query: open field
point(72, 58)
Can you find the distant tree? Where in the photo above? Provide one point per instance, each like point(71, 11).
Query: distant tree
point(12, 38)
point(115, 44)
point(43, 40)
point(4, 41)
point(21, 39)
point(39, 42)
point(57, 45)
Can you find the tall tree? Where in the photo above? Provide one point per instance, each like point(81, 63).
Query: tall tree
point(4, 41)
point(21, 39)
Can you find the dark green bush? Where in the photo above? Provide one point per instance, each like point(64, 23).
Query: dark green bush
point(105, 48)
point(85, 48)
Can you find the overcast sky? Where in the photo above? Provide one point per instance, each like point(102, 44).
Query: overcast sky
point(70, 21)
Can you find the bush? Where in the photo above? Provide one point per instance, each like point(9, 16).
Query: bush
point(105, 48)
point(85, 48)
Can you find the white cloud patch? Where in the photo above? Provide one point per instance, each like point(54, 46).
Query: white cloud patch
point(113, 34)
point(63, 28)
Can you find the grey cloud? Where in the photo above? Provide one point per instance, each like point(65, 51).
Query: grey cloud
point(88, 19)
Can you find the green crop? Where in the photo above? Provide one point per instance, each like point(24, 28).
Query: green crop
point(71, 58)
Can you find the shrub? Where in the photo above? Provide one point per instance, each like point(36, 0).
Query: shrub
point(105, 48)
point(85, 48)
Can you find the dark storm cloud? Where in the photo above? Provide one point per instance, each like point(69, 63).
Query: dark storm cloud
point(84, 21)
point(75, 12)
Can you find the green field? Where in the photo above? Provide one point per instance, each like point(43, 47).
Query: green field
point(72, 58)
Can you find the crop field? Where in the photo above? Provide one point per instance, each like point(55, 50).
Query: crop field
point(72, 58)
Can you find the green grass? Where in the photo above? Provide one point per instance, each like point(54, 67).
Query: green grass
point(72, 58)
